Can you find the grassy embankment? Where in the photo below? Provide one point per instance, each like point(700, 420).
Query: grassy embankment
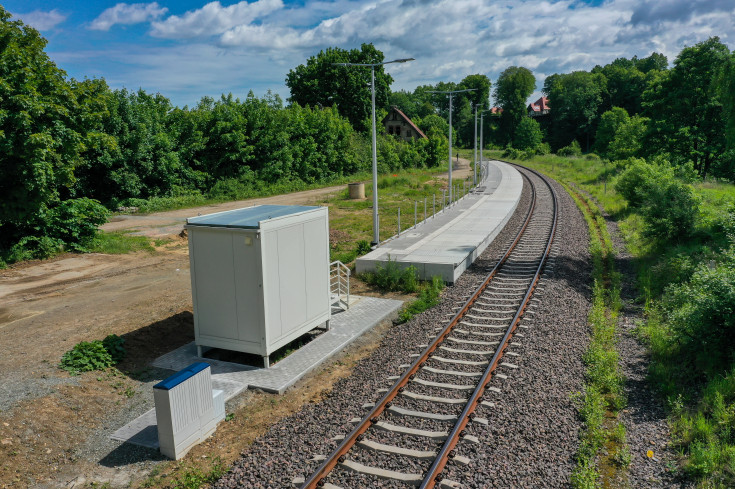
point(687, 290)
point(349, 220)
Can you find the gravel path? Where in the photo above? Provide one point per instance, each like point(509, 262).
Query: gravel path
point(644, 417)
point(533, 430)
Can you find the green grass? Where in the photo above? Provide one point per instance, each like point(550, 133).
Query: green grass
point(700, 401)
point(603, 397)
point(429, 294)
point(406, 190)
point(117, 243)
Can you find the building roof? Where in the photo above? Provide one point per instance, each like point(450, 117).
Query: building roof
point(407, 120)
point(496, 110)
point(540, 105)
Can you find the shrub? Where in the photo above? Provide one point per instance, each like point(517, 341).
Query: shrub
point(670, 209)
point(93, 355)
point(668, 206)
point(76, 222)
point(702, 314)
point(572, 150)
point(114, 346)
point(428, 297)
point(31, 247)
point(86, 356)
point(391, 277)
point(363, 247)
point(633, 181)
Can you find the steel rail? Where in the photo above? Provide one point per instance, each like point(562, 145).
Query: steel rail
point(433, 475)
point(338, 455)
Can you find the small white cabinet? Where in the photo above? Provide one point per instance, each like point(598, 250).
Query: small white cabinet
point(259, 276)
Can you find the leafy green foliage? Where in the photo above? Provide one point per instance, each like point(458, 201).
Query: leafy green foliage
point(575, 99)
point(702, 314)
point(114, 346)
point(86, 357)
point(76, 221)
point(320, 82)
point(515, 84)
point(684, 107)
point(610, 123)
point(668, 206)
point(363, 247)
point(39, 135)
point(428, 297)
point(527, 135)
point(573, 149)
point(393, 277)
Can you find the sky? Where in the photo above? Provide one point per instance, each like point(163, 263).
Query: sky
point(188, 49)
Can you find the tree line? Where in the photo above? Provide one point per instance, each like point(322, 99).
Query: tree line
point(72, 150)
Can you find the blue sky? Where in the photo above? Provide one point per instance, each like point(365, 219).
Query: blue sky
point(188, 49)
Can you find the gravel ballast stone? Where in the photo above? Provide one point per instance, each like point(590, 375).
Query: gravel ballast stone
point(533, 428)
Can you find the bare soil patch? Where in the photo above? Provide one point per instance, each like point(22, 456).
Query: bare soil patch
point(54, 427)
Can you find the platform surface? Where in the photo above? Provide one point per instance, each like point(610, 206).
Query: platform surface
point(346, 326)
point(449, 242)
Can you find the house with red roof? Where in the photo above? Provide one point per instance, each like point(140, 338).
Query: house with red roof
point(496, 110)
point(398, 124)
point(539, 107)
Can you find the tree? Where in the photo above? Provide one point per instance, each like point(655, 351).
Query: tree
point(685, 109)
point(610, 122)
point(528, 135)
point(322, 83)
point(575, 99)
point(481, 95)
point(39, 140)
point(512, 90)
point(726, 88)
point(628, 139)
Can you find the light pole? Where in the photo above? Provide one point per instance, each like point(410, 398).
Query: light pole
point(475, 144)
point(376, 230)
point(482, 143)
point(451, 92)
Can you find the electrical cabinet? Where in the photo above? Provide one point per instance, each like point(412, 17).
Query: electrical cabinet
point(259, 276)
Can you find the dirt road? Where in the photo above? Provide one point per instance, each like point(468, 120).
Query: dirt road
point(53, 426)
point(163, 224)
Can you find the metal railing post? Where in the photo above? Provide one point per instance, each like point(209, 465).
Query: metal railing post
point(444, 199)
point(399, 221)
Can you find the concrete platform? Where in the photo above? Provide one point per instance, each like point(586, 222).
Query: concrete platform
point(449, 242)
point(346, 326)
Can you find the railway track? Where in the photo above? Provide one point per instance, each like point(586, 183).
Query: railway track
point(414, 432)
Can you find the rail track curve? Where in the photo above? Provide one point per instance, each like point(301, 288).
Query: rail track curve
point(475, 345)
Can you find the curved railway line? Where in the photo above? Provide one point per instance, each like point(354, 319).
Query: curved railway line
point(419, 422)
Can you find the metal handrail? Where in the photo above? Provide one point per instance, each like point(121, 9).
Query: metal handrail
point(341, 272)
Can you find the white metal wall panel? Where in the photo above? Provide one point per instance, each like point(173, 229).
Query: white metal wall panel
point(271, 286)
point(292, 275)
point(316, 248)
point(256, 298)
point(212, 266)
point(249, 291)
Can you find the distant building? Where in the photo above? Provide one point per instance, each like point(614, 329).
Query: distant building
point(398, 124)
point(539, 107)
point(496, 110)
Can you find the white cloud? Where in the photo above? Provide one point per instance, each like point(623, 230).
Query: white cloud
point(126, 13)
point(253, 45)
point(41, 20)
point(213, 19)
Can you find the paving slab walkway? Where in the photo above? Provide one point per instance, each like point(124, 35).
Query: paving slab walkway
point(346, 326)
